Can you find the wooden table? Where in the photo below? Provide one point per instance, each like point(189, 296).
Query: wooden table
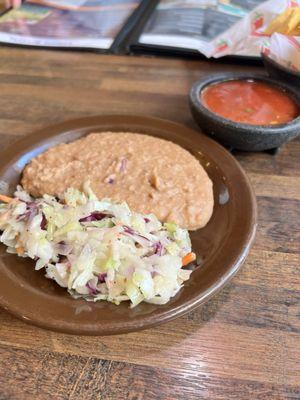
point(245, 342)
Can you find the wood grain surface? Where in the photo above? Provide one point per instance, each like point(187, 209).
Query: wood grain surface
point(245, 342)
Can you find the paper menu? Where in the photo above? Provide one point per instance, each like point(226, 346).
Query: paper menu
point(61, 3)
point(39, 25)
point(214, 28)
point(193, 23)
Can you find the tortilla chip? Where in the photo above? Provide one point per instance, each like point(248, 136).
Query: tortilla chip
point(287, 23)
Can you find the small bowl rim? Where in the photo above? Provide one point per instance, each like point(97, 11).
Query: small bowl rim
point(207, 80)
point(280, 67)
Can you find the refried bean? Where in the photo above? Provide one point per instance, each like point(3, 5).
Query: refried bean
point(152, 175)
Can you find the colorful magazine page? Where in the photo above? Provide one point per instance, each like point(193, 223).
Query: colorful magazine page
point(193, 24)
point(66, 23)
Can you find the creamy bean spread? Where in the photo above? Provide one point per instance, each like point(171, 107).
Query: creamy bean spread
point(152, 175)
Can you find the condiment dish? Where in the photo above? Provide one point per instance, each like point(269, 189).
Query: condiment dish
point(242, 136)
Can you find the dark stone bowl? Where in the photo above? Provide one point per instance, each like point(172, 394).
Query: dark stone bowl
point(280, 72)
point(239, 135)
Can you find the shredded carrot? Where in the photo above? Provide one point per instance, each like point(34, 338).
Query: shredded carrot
point(188, 258)
point(20, 250)
point(5, 199)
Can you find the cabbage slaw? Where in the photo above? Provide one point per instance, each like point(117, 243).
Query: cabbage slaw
point(97, 249)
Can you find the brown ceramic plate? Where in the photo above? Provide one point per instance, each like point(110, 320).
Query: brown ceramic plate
point(223, 244)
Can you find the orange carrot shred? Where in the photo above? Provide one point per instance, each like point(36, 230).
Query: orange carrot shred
point(188, 258)
point(5, 199)
point(20, 250)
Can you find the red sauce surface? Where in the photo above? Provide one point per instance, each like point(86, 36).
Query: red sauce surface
point(250, 102)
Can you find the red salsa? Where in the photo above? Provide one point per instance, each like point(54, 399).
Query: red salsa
point(250, 102)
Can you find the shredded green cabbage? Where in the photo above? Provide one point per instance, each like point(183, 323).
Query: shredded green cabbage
point(97, 249)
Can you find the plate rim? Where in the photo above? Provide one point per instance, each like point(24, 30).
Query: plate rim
point(37, 136)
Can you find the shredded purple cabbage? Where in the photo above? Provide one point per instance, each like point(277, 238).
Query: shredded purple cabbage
point(63, 248)
point(44, 222)
point(111, 181)
point(92, 290)
point(140, 239)
point(129, 230)
point(95, 216)
point(147, 220)
point(101, 277)
point(31, 211)
point(158, 248)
